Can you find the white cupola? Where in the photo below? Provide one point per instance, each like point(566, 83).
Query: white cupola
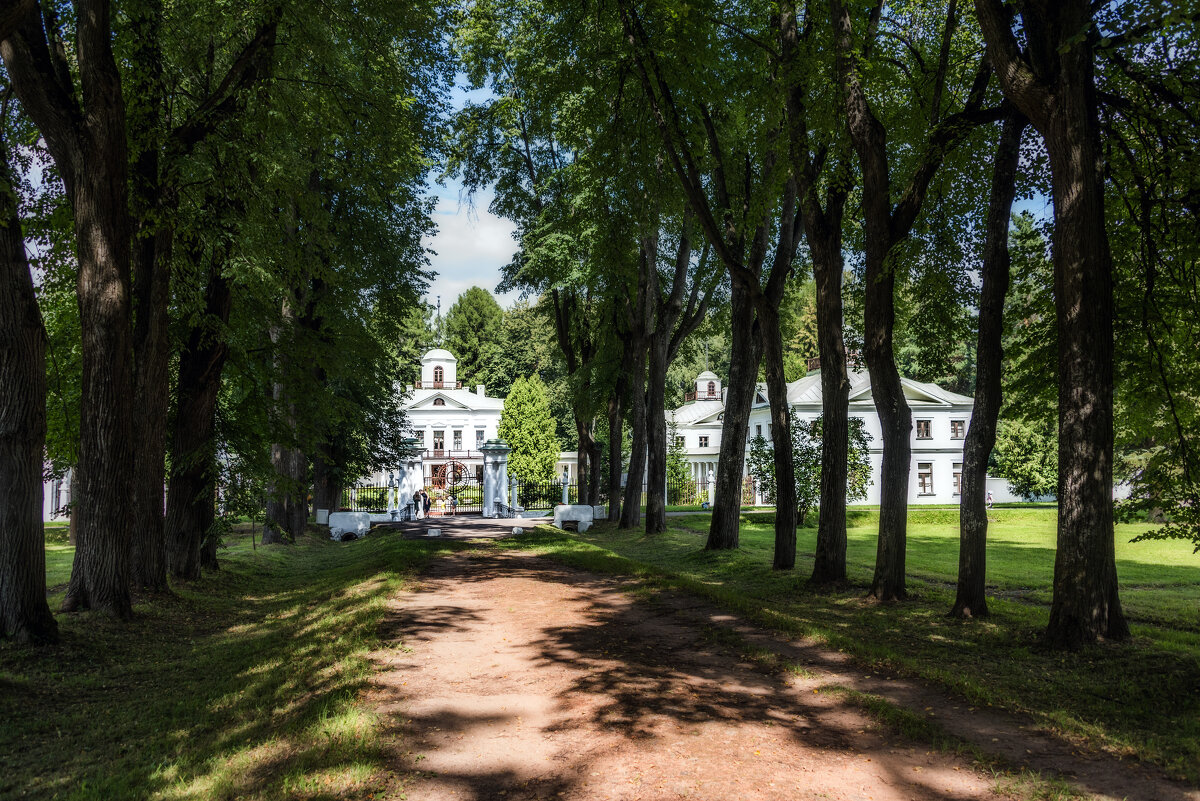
point(708, 386)
point(439, 370)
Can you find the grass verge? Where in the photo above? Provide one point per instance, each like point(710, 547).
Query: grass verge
point(246, 684)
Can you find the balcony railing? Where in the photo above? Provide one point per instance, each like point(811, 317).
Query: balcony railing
point(694, 395)
point(447, 453)
point(438, 385)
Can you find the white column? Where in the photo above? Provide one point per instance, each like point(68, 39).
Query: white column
point(495, 474)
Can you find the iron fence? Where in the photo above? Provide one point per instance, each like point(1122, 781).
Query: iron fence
point(372, 499)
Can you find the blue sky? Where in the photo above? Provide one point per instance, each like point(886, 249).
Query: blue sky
point(471, 244)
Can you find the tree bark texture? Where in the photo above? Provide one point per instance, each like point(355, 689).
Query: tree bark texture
point(631, 505)
point(327, 486)
point(746, 353)
point(24, 613)
point(816, 168)
point(656, 433)
point(825, 248)
point(971, 597)
point(150, 258)
point(781, 439)
point(287, 506)
point(616, 431)
point(1054, 86)
point(193, 442)
point(640, 324)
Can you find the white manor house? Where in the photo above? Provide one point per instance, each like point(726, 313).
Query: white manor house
point(940, 420)
point(451, 423)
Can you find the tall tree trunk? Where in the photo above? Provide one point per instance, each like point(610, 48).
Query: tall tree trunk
point(24, 614)
point(638, 339)
point(153, 213)
point(152, 350)
point(193, 446)
point(971, 597)
point(1086, 603)
point(278, 527)
point(1054, 86)
point(631, 507)
point(582, 459)
point(593, 467)
point(616, 434)
point(656, 433)
point(746, 352)
point(88, 144)
point(327, 486)
point(781, 438)
point(100, 572)
point(825, 247)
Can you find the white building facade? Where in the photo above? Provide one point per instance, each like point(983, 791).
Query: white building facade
point(449, 422)
point(940, 420)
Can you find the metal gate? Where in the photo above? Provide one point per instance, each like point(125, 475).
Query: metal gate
point(454, 489)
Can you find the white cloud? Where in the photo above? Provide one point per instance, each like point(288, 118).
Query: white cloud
point(470, 247)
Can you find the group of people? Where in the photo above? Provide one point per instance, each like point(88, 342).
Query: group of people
point(423, 503)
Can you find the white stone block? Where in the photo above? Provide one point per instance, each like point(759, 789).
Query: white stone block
point(357, 523)
point(322, 517)
point(576, 512)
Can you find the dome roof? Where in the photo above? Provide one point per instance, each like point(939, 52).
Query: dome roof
point(707, 375)
point(439, 355)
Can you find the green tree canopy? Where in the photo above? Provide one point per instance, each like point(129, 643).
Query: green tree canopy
point(473, 329)
point(527, 425)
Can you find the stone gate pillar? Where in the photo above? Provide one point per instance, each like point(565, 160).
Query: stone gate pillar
point(495, 474)
point(412, 474)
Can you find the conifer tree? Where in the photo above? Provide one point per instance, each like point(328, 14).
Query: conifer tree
point(527, 425)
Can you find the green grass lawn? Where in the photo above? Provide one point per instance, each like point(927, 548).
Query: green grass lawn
point(248, 683)
point(1140, 698)
point(243, 685)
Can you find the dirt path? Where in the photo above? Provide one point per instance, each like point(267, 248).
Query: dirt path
point(518, 678)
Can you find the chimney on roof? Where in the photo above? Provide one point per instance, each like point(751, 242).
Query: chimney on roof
point(479, 390)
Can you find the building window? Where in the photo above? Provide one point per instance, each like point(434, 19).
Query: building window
point(712, 388)
point(958, 429)
point(958, 478)
point(439, 401)
point(758, 430)
point(458, 440)
point(925, 478)
point(924, 429)
point(439, 440)
point(704, 442)
point(438, 375)
point(679, 442)
point(479, 438)
point(479, 474)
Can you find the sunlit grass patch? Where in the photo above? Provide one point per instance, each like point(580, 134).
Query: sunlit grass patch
point(246, 684)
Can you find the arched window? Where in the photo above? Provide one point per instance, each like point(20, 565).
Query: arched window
point(712, 388)
point(439, 401)
point(438, 375)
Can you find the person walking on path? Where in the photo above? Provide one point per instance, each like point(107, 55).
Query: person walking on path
point(426, 501)
point(989, 499)
point(418, 505)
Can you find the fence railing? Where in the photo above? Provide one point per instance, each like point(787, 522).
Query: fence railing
point(530, 495)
